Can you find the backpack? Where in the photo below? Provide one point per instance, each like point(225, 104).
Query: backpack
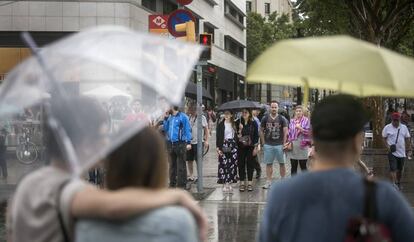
point(367, 228)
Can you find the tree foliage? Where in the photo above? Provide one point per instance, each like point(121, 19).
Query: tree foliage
point(262, 32)
point(388, 23)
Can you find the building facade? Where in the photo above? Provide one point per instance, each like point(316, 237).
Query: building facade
point(266, 92)
point(50, 20)
point(266, 7)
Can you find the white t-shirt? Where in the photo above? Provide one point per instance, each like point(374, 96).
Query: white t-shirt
point(228, 131)
point(390, 132)
point(193, 123)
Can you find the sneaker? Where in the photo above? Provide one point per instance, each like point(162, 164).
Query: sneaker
point(266, 185)
point(395, 185)
point(399, 186)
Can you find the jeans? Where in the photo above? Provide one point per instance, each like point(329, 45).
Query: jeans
point(168, 224)
point(178, 167)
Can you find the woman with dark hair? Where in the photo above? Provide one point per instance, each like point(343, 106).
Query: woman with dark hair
point(226, 141)
point(247, 130)
point(141, 162)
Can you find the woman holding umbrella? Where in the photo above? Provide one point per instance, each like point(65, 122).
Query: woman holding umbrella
point(248, 139)
point(226, 141)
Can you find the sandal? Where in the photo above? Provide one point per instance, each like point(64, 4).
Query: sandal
point(242, 188)
point(249, 188)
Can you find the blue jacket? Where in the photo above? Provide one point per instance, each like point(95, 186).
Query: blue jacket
point(177, 128)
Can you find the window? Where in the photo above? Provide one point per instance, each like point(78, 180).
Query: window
point(233, 47)
point(234, 14)
point(268, 93)
point(150, 4)
point(248, 6)
point(210, 30)
point(168, 6)
point(267, 8)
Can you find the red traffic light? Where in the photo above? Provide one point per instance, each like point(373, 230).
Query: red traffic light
point(206, 41)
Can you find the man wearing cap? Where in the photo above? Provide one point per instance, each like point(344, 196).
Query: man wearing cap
point(318, 206)
point(397, 140)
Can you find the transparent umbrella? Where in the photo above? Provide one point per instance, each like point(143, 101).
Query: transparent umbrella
point(152, 70)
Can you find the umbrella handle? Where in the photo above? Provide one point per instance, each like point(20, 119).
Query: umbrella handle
point(305, 92)
point(64, 141)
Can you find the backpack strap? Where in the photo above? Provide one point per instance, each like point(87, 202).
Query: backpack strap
point(59, 213)
point(370, 202)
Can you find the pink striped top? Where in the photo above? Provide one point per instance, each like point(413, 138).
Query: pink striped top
point(295, 132)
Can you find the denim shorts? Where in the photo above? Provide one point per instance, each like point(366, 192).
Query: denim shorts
point(272, 153)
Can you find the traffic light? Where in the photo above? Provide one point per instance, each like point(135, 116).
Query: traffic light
point(188, 28)
point(206, 40)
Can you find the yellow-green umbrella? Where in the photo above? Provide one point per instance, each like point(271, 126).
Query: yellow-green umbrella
point(338, 63)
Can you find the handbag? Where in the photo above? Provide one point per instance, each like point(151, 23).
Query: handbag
point(393, 147)
point(245, 141)
point(368, 228)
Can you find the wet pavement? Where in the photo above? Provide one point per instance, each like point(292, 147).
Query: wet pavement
point(237, 217)
point(234, 217)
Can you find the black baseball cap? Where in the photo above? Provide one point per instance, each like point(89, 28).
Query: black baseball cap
point(338, 118)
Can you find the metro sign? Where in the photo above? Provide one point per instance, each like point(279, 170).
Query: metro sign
point(158, 24)
point(159, 21)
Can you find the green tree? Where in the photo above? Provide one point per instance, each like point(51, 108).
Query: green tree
point(387, 23)
point(256, 41)
point(262, 32)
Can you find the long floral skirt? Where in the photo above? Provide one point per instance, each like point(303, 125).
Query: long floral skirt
point(227, 164)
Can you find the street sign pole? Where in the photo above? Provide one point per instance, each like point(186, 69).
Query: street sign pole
point(199, 127)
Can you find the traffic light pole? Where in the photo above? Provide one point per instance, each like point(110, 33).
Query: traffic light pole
point(200, 126)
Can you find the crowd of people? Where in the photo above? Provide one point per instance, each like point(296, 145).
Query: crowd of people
point(240, 141)
point(322, 205)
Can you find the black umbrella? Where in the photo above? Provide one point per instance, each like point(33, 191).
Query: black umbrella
point(191, 91)
point(237, 105)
